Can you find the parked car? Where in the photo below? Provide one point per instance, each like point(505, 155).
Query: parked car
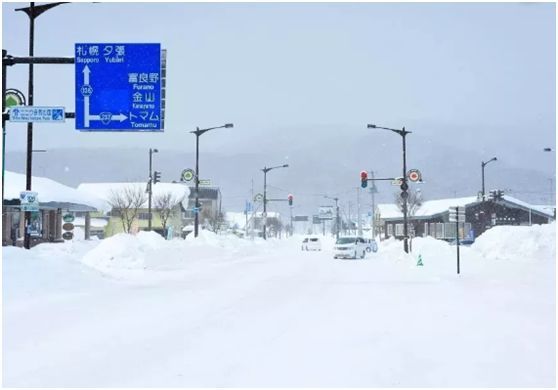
point(371, 245)
point(350, 247)
point(311, 244)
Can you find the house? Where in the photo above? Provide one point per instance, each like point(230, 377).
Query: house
point(115, 219)
point(55, 199)
point(432, 218)
point(209, 199)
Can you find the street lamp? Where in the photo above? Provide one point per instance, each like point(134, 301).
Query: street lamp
point(336, 215)
point(150, 192)
point(404, 186)
point(265, 171)
point(199, 132)
point(483, 164)
point(32, 12)
point(551, 180)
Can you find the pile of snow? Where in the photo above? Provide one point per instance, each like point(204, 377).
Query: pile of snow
point(124, 255)
point(537, 242)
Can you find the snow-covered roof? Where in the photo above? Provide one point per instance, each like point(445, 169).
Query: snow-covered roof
point(429, 207)
point(104, 190)
point(543, 209)
point(48, 190)
point(433, 207)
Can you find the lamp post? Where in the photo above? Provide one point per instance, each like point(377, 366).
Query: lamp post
point(551, 180)
point(404, 186)
point(265, 171)
point(336, 215)
point(150, 192)
point(483, 164)
point(32, 12)
point(199, 132)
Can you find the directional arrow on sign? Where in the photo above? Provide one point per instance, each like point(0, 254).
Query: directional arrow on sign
point(104, 117)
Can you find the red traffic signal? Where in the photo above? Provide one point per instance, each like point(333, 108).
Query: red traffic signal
point(363, 179)
point(290, 198)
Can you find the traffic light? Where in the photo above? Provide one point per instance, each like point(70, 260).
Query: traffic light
point(363, 179)
point(156, 177)
point(404, 186)
point(290, 198)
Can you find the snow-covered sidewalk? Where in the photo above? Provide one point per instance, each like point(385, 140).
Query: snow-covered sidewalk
point(141, 311)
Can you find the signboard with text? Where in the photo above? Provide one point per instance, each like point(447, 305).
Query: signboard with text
point(37, 114)
point(118, 87)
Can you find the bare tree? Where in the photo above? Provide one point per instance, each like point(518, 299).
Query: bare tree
point(414, 201)
point(214, 221)
point(165, 204)
point(126, 202)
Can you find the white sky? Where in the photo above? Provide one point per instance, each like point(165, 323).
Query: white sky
point(487, 70)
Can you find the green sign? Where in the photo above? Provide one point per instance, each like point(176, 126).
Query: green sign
point(187, 175)
point(68, 218)
point(14, 98)
point(205, 182)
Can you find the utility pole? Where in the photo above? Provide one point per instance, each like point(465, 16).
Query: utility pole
point(350, 219)
point(150, 187)
point(358, 213)
point(373, 191)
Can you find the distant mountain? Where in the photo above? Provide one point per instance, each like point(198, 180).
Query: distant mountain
point(319, 163)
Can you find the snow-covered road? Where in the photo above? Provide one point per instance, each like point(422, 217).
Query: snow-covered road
point(242, 314)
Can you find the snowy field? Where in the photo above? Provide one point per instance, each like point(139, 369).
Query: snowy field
point(220, 311)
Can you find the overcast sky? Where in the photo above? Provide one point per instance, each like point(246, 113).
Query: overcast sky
point(472, 73)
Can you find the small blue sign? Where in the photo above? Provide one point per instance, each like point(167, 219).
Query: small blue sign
point(37, 114)
point(118, 86)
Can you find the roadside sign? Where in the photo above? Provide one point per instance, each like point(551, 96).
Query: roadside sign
point(457, 214)
point(187, 175)
point(300, 218)
point(67, 235)
point(205, 182)
point(68, 226)
point(29, 201)
point(37, 114)
point(68, 217)
point(414, 175)
point(316, 220)
point(258, 198)
point(118, 86)
point(397, 181)
point(14, 97)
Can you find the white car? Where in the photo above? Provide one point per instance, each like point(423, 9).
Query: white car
point(311, 244)
point(350, 247)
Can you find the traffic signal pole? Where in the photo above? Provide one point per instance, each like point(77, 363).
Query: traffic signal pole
point(404, 193)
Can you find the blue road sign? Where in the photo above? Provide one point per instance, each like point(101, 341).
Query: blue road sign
point(37, 114)
point(118, 86)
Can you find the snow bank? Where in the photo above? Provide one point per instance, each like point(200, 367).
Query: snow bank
point(521, 243)
point(125, 255)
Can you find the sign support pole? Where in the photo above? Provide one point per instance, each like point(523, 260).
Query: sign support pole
point(457, 235)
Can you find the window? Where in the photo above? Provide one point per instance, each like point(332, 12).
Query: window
point(399, 230)
point(143, 216)
point(390, 229)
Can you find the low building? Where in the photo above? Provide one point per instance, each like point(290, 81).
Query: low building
point(210, 200)
point(116, 221)
point(432, 218)
point(55, 199)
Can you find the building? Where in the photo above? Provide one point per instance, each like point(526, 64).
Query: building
point(210, 203)
point(55, 199)
point(432, 218)
point(118, 220)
